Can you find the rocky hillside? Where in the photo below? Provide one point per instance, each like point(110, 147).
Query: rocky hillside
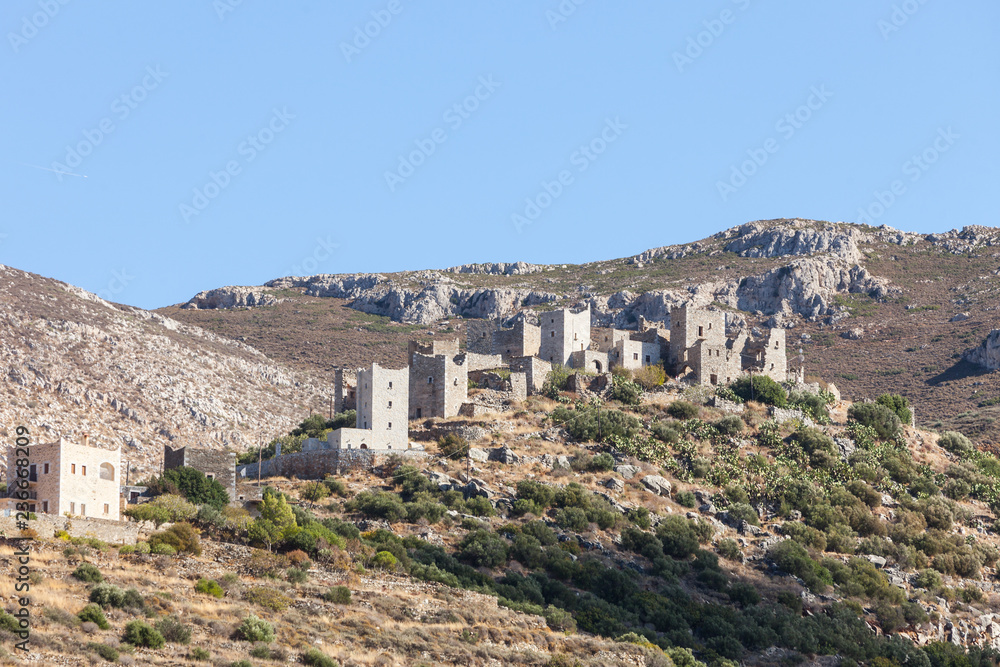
point(875, 308)
point(74, 364)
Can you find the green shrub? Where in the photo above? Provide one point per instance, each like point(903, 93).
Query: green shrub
point(559, 619)
point(254, 629)
point(729, 425)
point(173, 630)
point(898, 404)
point(109, 653)
point(109, 595)
point(181, 537)
point(683, 410)
point(453, 446)
point(162, 549)
point(93, 613)
point(315, 491)
point(88, 572)
point(198, 653)
point(296, 575)
point(384, 560)
point(142, 548)
point(729, 549)
point(761, 389)
point(142, 635)
point(483, 548)
point(267, 597)
point(209, 587)
point(956, 443)
point(665, 432)
point(876, 416)
point(792, 557)
point(739, 512)
point(126, 549)
point(587, 423)
point(686, 499)
point(602, 462)
point(625, 391)
point(338, 595)
point(316, 658)
point(335, 486)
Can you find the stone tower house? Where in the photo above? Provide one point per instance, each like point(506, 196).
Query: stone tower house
point(439, 380)
point(690, 325)
point(563, 333)
point(383, 403)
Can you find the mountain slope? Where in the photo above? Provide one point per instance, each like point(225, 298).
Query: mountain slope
point(76, 364)
point(872, 308)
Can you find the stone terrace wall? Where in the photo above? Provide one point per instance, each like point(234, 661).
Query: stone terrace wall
point(318, 464)
point(46, 525)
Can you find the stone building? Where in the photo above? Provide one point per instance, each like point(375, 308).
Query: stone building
point(768, 356)
point(487, 337)
point(589, 360)
point(439, 379)
point(563, 333)
point(383, 404)
point(690, 325)
point(215, 464)
point(536, 372)
point(345, 384)
point(70, 479)
point(714, 363)
point(634, 350)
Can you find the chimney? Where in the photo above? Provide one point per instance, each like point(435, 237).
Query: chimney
point(86, 440)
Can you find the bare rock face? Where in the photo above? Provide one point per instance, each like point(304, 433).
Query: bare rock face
point(987, 353)
point(759, 239)
point(498, 268)
point(232, 297)
point(806, 287)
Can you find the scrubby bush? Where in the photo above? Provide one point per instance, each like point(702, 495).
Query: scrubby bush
point(602, 462)
point(163, 509)
point(87, 572)
point(453, 446)
point(317, 658)
point(956, 443)
point(729, 549)
point(739, 512)
point(181, 537)
point(729, 425)
point(209, 587)
point(625, 391)
point(254, 629)
point(109, 653)
point(683, 410)
point(898, 404)
point(109, 595)
point(686, 499)
point(315, 491)
point(173, 630)
point(793, 558)
point(338, 595)
point(268, 598)
point(876, 416)
point(384, 560)
point(681, 537)
point(762, 389)
point(665, 432)
point(142, 635)
point(92, 613)
point(483, 548)
point(161, 549)
point(587, 423)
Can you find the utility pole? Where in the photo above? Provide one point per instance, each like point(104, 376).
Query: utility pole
point(331, 408)
point(260, 456)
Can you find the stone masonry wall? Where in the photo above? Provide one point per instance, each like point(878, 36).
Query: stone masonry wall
point(383, 405)
point(318, 464)
point(438, 385)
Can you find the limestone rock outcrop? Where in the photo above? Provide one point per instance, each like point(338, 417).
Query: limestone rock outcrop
point(987, 353)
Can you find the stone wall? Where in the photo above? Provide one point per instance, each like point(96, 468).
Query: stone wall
point(589, 360)
point(481, 362)
point(479, 336)
point(522, 340)
point(319, 464)
point(345, 382)
point(536, 371)
point(689, 325)
point(46, 525)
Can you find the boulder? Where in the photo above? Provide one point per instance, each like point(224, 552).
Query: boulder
point(627, 471)
point(657, 484)
point(615, 484)
point(477, 454)
point(503, 454)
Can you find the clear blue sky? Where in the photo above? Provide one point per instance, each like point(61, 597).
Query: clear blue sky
point(309, 118)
